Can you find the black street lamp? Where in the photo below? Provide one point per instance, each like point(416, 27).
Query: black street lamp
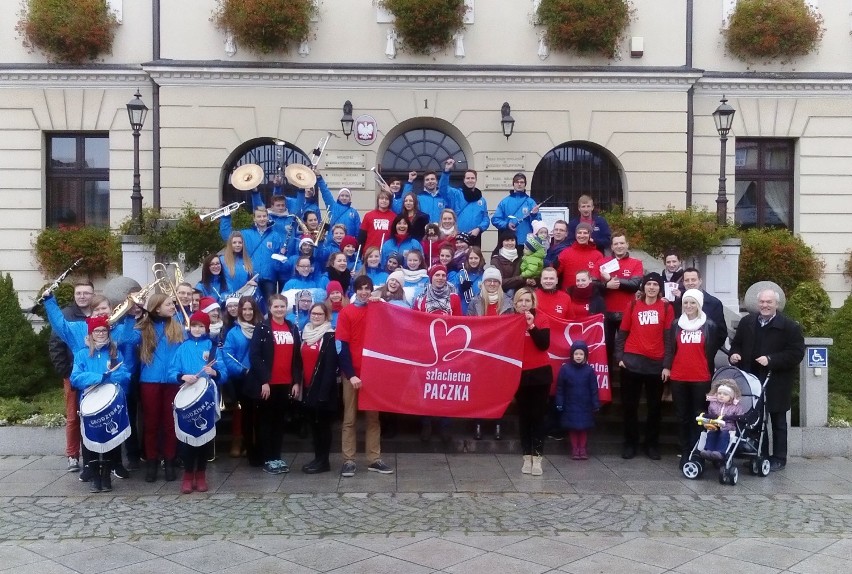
point(136, 111)
point(346, 120)
point(724, 119)
point(507, 121)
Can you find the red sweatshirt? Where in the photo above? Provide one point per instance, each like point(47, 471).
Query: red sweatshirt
point(352, 328)
point(617, 300)
point(557, 304)
point(578, 258)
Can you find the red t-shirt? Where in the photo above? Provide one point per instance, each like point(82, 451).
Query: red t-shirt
point(690, 360)
point(351, 329)
point(310, 356)
point(556, 304)
point(617, 300)
point(579, 258)
point(533, 356)
point(282, 360)
point(492, 309)
point(377, 224)
point(646, 325)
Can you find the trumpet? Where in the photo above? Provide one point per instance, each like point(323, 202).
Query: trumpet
point(132, 299)
point(222, 211)
point(303, 227)
point(161, 275)
point(325, 224)
point(379, 179)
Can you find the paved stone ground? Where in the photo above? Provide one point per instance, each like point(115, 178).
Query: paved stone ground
point(447, 513)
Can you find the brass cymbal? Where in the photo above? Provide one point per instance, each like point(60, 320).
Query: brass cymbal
point(247, 177)
point(299, 175)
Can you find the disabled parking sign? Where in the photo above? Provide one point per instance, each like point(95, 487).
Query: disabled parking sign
point(817, 357)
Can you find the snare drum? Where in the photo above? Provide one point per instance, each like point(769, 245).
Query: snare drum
point(104, 421)
point(196, 410)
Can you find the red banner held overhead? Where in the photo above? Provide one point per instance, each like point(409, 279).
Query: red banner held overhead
point(591, 331)
point(438, 365)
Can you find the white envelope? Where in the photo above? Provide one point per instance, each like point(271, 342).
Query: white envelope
point(610, 267)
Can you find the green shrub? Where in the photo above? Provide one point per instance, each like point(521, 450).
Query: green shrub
point(184, 232)
point(776, 255)
point(23, 354)
point(692, 231)
point(839, 410)
point(585, 26)
point(810, 305)
point(423, 25)
point(68, 30)
point(265, 26)
point(57, 248)
point(769, 29)
point(14, 410)
point(840, 373)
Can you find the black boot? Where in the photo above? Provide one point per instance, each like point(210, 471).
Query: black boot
point(171, 471)
point(95, 472)
point(106, 478)
point(151, 470)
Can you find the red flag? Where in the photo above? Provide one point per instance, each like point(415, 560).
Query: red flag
point(591, 330)
point(438, 365)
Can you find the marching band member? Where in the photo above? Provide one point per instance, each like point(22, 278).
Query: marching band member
point(342, 212)
point(301, 310)
point(400, 241)
point(338, 270)
point(261, 241)
point(320, 393)
point(195, 356)
point(275, 370)
point(213, 281)
point(99, 361)
point(468, 280)
point(467, 202)
point(373, 267)
point(236, 262)
point(415, 276)
point(392, 291)
point(335, 300)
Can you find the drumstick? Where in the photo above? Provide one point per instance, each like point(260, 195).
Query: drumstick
point(112, 369)
point(237, 361)
point(201, 372)
point(357, 255)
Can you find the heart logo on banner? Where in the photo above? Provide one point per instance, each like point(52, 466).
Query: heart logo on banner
point(592, 334)
point(445, 338)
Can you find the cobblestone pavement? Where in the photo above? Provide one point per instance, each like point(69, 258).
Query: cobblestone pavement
point(448, 513)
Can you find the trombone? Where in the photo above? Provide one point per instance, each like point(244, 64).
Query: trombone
point(222, 211)
point(161, 274)
point(317, 152)
point(379, 179)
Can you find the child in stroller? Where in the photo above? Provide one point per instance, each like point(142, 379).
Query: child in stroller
point(723, 406)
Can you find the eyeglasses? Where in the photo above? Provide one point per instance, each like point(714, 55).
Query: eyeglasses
point(317, 314)
point(100, 331)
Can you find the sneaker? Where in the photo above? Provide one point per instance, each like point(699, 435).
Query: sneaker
point(348, 469)
point(380, 467)
point(271, 467)
point(282, 467)
point(73, 464)
point(120, 472)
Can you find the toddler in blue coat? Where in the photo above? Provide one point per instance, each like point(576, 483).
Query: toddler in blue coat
point(577, 398)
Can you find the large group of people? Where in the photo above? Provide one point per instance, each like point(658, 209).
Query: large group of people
point(278, 322)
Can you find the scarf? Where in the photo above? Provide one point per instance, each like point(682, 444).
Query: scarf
point(216, 328)
point(246, 328)
point(445, 232)
point(343, 277)
point(337, 306)
point(471, 194)
point(510, 254)
point(414, 276)
point(583, 293)
point(438, 299)
point(668, 276)
point(311, 334)
point(492, 298)
point(688, 324)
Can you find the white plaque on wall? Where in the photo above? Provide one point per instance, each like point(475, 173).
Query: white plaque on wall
point(514, 161)
point(341, 178)
point(498, 181)
point(345, 159)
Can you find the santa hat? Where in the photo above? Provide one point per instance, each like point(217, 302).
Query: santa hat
point(208, 304)
point(200, 317)
point(232, 300)
point(96, 322)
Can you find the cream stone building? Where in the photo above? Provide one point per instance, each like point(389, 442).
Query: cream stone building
point(636, 130)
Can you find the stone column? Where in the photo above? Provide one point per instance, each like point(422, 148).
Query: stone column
point(137, 259)
point(720, 270)
point(813, 385)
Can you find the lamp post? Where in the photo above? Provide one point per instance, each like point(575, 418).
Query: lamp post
point(724, 119)
point(507, 121)
point(136, 111)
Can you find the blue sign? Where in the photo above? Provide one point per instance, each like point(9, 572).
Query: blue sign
point(817, 357)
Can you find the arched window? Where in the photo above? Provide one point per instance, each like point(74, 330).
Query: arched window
point(574, 169)
point(271, 157)
point(423, 149)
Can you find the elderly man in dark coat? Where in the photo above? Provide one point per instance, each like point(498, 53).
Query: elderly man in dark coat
point(766, 342)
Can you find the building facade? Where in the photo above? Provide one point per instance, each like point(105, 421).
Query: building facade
point(635, 131)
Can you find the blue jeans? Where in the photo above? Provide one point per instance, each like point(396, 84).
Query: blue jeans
point(717, 441)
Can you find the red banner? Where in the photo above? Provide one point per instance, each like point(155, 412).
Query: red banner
point(564, 333)
point(438, 365)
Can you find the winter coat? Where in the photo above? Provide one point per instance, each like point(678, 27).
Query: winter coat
point(715, 312)
point(61, 354)
point(532, 263)
point(577, 392)
point(470, 214)
point(431, 205)
point(510, 271)
point(552, 257)
point(71, 333)
point(238, 278)
point(601, 235)
point(261, 354)
point(474, 285)
point(343, 214)
point(476, 308)
point(323, 391)
point(92, 370)
point(192, 355)
point(516, 208)
point(783, 343)
point(394, 245)
point(158, 370)
point(728, 412)
point(258, 245)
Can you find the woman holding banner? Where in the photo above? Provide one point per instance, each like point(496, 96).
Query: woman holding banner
point(536, 377)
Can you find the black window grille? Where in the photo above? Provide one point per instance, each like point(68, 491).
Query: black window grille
point(269, 156)
point(423, 149)
point(573, 169)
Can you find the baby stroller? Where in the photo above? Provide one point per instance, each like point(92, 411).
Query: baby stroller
point(748, 441)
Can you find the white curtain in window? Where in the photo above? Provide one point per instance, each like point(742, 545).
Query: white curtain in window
point(778, 199)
